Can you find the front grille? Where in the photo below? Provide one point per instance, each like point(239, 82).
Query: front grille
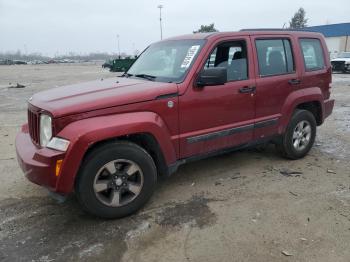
point(338, 65)
point(33, 123)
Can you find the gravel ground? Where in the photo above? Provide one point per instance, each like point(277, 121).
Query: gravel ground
point(244, 206)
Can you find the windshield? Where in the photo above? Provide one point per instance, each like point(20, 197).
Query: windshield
point(344, 55)
point(166, 61)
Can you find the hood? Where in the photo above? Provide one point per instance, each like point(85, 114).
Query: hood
point(341, 59)
point(104, 93)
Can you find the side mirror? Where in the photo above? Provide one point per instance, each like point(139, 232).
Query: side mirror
point(212, 77)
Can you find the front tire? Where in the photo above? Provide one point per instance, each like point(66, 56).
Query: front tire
point(299, 136)
point(116, 180)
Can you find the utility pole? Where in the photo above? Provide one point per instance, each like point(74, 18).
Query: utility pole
point(160, 21)
point(118, 47)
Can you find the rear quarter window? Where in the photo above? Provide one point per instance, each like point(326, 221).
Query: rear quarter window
point(312, 54)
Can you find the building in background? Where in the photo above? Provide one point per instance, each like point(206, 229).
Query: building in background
point(337, 37)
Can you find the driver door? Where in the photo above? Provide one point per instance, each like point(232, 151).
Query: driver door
point(217, 117)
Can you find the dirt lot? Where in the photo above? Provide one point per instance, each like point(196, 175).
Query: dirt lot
point(243, 206)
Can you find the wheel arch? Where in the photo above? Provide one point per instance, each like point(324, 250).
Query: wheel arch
point(310, 99)
point(145, 140)
point(145, 129)
point(313, 107)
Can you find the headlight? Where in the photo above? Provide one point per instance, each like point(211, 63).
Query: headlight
point(45, 129)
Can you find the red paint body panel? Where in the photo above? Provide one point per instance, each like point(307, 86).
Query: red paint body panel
point(295, 98)
point(216, 108)
point(85, 133)
point(328, 108)
point(99, 94)
point(38, 165)
point(88, 113)
point(272, 91)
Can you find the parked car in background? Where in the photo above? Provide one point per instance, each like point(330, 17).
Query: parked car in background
point(119, 64)
point(107, 64)
point(183, 99)
point(6, 62)
point(19, 62)
point(12, 62)
point(341, 63)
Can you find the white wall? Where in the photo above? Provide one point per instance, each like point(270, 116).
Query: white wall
point(333, 44)
point(337, 45)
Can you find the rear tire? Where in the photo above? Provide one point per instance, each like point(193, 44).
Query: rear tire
point(116, 180)
point(299, 136)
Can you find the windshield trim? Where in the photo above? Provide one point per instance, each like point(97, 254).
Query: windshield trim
point(201, 42)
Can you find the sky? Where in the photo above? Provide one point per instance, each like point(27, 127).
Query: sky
point(56, 27)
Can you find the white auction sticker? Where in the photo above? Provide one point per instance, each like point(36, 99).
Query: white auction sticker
point(190, 55)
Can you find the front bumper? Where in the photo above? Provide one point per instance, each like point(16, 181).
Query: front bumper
point(38, 164)
point(340, 66)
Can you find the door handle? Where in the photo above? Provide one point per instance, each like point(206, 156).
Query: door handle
point(294, 82)
point(247, 89)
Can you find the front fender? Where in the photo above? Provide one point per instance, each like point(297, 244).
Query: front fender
point(295, 98)
point(84, 133)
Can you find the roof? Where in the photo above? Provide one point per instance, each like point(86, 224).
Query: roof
point(244, 32)
point(332, 30)
point(190, 36)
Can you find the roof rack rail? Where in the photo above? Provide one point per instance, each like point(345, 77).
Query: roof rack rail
point(268, 29)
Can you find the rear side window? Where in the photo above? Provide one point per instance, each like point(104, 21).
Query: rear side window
point(313, 54)
point(274, 56)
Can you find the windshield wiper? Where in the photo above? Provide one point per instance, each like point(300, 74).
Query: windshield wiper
point(126, 75)
point(145, 76)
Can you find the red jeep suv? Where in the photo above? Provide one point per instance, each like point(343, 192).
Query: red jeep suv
point(184, 98)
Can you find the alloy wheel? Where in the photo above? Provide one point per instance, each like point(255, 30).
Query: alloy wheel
point(301, 135)
point(118, 182)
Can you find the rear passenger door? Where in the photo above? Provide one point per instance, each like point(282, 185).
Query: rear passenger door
point(276, 78)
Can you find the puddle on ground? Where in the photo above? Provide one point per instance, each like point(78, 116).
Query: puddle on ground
point(40, 229)
point(196, 210)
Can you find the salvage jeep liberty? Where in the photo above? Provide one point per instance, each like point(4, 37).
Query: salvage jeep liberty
point(184, 98)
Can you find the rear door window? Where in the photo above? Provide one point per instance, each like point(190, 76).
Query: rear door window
point(312, 53)
point(274, 56)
